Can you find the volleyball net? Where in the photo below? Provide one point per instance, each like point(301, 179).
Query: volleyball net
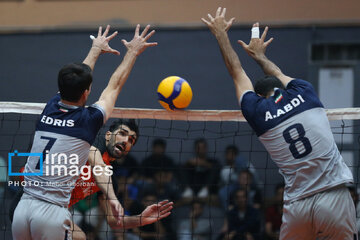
point(197, 158)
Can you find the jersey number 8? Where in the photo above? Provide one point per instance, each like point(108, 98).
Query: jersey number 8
point(296, 141)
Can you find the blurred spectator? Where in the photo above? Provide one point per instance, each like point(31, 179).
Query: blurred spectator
point(234, 163)
point(127, 195)
point(200, 173)
point(242, 221)
point(244, 181)
point(229, 171)
point(157, 162)
point(89, 217)
point(152, 231)
point(273, 214)
point(196, 227)
point(164, 188)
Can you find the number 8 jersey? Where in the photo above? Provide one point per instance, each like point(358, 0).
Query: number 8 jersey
point(293, 126)
point(63, 136)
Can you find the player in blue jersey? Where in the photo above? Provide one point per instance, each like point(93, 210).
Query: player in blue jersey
point(64, 133)
point(291, 123)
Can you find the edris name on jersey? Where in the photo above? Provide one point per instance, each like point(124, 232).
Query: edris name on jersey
point(57, 122)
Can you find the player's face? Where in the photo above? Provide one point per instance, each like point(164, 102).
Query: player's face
point(120, 141)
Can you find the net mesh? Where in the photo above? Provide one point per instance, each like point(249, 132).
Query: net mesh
point(201, 190)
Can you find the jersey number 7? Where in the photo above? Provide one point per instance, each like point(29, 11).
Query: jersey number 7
point(48, 146)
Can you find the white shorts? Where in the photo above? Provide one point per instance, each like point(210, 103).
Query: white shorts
point(35, 219)
point(327, 215)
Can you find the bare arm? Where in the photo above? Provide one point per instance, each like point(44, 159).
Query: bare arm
point(134, 48)
point(257, 48)
point(104, 182)
point(151, 214)
point(100, 45)
point(219, 27)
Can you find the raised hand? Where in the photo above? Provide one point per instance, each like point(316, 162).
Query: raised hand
point(139, 43)
point(102, 41)
point(257, 46)
point(218, 23)
point(156, 212)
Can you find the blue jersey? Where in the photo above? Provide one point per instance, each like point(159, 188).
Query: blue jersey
point(293, 126)
point(63, 135)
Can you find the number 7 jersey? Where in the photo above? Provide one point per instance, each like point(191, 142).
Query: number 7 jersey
point(293, 126)
point(63, 137)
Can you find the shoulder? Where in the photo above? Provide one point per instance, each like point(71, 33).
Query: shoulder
point(95, 110)
point(248, 101)
point(299, 85)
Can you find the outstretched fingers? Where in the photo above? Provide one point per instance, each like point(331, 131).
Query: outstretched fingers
point(218, 11)
point(143, 34)
point(210, 17)
point(223, 12)
point(205, 21)
point(268, 42)
point(99, 31)
point(112, 36)
point(164, 216)
point(149, 35)
point(229, 23)
point(106, 30)
point(244, 45)
point(166, 210)
point(263, 36)
point(137, 30)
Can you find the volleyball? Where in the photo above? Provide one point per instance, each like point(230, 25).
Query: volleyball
point(174, 93)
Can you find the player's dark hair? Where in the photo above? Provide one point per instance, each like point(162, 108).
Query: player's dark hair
point(232, 148)
point(130, 123)
point(159, 141)
point(267, 84)
point(200, 140)
point(73, 80)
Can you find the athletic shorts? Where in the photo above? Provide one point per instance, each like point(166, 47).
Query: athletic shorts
point(35, 219)
point(327, 215)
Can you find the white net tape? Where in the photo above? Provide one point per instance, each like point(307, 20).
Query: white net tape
point(161, 114)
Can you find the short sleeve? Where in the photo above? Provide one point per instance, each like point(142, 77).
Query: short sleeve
point(96, 118)
point(55, 99)
point(248, 102)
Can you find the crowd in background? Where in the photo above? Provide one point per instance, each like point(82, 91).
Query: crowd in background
point(214, 199)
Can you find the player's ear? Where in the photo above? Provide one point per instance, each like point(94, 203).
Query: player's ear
point(107, 136)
